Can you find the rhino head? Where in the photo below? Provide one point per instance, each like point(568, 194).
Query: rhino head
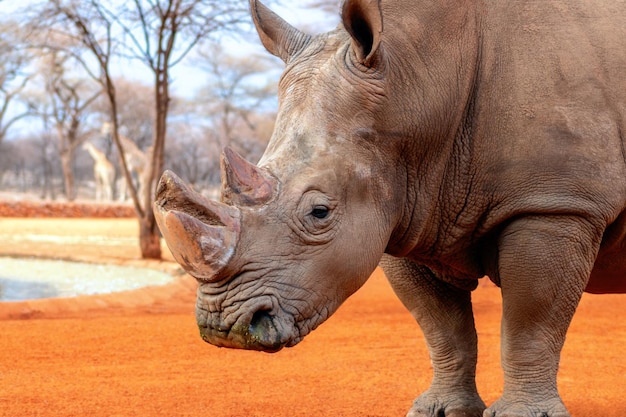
point(294, 236)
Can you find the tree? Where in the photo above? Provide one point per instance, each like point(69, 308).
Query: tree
point(19, 162)
point(192, 155)
point(68, 99)
point(238, 90)
point(13, 76)
point(158, 33)
point(136, 110)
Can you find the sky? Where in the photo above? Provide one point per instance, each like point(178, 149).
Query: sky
point(186, 78)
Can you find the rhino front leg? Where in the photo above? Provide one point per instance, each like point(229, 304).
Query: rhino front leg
point(543, 266)
point(444, 314)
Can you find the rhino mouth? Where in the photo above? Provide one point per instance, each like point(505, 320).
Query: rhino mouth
point(259, 330)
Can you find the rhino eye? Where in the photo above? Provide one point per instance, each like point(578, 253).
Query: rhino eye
point(320, 212)
point(316, 218)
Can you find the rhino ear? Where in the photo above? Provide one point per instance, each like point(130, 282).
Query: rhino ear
point(279, 37)
point(364, 22)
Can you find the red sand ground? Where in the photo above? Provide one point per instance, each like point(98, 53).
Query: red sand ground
point(139, 353)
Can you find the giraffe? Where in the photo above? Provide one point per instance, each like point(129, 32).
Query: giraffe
point(136, 161)
point(103, 172)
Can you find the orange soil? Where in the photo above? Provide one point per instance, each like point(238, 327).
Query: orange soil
point(139, 353)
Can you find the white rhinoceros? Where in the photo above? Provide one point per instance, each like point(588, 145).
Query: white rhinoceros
point(453, 139)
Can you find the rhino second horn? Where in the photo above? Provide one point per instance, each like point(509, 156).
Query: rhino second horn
point(243, 183)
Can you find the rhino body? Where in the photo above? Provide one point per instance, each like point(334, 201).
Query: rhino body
point(447, 141)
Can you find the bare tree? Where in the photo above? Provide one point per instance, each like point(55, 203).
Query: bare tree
point(158, 33)
point(17, 158)
point(136, 110)
point(46, 162)
point(13, 76)
point(239, 90)
point(192, 155)
point(68, 99)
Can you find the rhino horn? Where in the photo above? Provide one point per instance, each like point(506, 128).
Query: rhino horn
point(245, 184)
point(279, 37)
point(202, 234)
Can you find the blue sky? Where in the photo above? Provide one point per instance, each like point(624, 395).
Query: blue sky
point(186, 79)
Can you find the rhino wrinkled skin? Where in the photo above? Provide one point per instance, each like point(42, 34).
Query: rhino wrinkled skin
point(447, 141)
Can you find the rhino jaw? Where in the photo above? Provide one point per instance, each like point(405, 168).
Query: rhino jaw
point(201, 234)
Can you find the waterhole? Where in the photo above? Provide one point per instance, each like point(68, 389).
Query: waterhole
point(27, 278)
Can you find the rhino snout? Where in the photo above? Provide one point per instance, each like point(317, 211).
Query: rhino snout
point(259, 332)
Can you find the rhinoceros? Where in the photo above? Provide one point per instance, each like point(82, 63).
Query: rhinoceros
point(446, 141)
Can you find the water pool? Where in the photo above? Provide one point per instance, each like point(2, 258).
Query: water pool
point(31, 278)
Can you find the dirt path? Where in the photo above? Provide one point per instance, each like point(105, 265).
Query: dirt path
point(139, 353)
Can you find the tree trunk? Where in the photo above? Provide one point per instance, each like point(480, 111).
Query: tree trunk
point(46, 183)
point(47, 173)
point(68, 176)
point(149, 233)
point(149, 238)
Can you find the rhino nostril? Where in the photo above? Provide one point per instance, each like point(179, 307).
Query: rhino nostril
point(261, 322)
point(263, 331)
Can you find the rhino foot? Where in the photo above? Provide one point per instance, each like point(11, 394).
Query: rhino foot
point(518, 408)
point(448, 404)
